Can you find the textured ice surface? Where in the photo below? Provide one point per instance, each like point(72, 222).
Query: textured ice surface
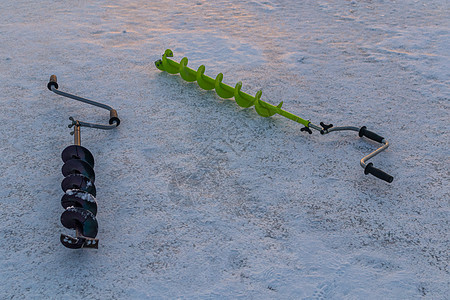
point(201, 199)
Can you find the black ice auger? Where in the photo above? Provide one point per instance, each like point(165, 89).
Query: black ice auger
point(78, 185)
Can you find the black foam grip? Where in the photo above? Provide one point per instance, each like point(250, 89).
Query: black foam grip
point(370, 169)
point(113, 117)
point(371, 135)
point(52, 82)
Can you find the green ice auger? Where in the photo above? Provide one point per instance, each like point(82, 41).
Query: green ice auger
point(265, 109)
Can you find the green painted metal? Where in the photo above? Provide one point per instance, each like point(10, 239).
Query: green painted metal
point(264, 109)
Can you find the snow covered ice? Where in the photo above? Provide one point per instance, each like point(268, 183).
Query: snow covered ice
point(200, 199)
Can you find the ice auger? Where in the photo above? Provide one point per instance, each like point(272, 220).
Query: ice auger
point(265, 109)
point(78, 185)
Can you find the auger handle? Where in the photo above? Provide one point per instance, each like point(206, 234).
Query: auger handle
point(370, 169)
point(114, 120)
point(370, 135)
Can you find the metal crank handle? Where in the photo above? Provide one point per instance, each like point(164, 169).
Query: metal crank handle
point(368, 168)
point(114, 120)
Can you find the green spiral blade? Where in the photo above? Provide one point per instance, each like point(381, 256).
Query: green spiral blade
point(264, 109)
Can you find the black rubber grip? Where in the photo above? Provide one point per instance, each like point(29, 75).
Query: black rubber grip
point(371, 135)
point(370, 169)
point(52, 82)
point(113, 117)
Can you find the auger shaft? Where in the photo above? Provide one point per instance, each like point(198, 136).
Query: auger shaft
point(77, 135)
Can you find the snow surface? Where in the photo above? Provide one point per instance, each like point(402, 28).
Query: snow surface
point(200, 199)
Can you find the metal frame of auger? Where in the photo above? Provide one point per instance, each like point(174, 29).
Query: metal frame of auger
point(78, 185)
point(265, 109)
